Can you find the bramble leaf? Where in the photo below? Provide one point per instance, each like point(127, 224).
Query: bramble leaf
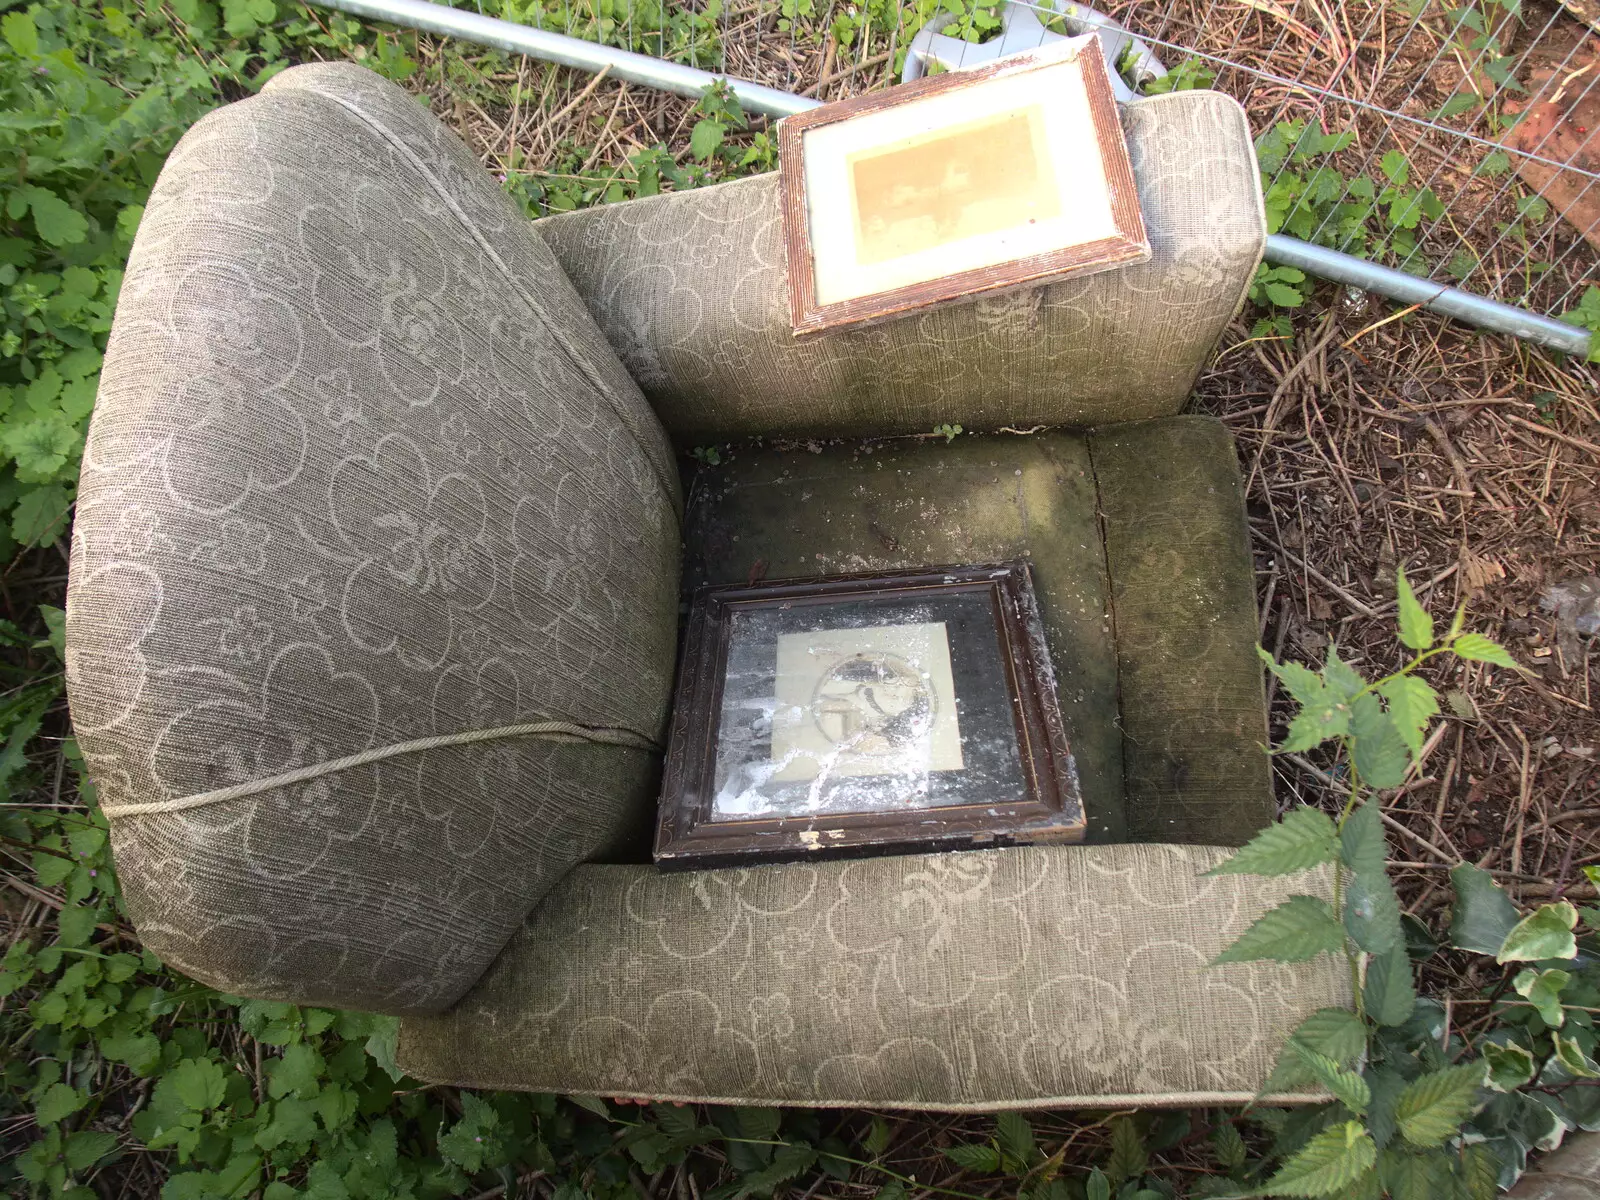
point(1372, 913)
point(1343, 680)
point(1362, 846)
point(1477, 648)
point(1337, 1034)
point(1128, 1154)
point(1544, 933)
point(1416, 626)
point(1303, 684)
point(1342, 1084)
point(1015, 1138)
point(40, 515)
point(1432, 1107)
point(1378, 751)
point(1412, 704)
point(1389, 995)
point(977, 1156)
point(1334, 1159)
point(1297, 930)
point(1482, 915)
point(1303, 839)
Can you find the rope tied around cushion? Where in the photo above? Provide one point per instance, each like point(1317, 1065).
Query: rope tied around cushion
point(563, 731)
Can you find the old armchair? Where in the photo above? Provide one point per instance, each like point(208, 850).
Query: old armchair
point(376, 587)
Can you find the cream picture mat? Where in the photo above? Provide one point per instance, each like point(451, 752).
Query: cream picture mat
point(972, 177)
point(876, 700)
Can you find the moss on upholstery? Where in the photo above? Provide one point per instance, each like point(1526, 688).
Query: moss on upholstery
point(1184, 607)
point(988, 979)
point(889, 506)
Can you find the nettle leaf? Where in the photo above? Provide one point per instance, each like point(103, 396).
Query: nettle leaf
point(57, 222)
point(1482, 915)
point(1388, 994)
point(1477, 648)
point(1372, 913)
point(1362, 846)
point(60, 1101)
point(976, 1156)
point(1342, 1084)
point(1412, 704)
point(1544, 933)
point(706, 136)
point(1229, 1146)
point(1303, 839)
point(1510, 1066)
point(21, 34)
point(1432, 1107)
point(1416, 626)
point(1297, 930)
point(88, 1146)
point(1334, 1159)
point(1542, 989)
point(1378, 750)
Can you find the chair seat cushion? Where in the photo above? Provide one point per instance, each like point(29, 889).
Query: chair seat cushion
point(1030, 976)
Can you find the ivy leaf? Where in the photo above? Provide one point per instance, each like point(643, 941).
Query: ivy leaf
point(1372, 913)
point(1412, 704)
point(1510, 1065)
point(1389, 995)
point(1303, 839)
point(1544, 933)
point(1542, 989)
point(1482, 914)
point(1572, 1057)
point(382, 1043)
point(57, 222)
point(1334, 1159)
point(1416, 626)
point(1362, 847)
point(1378, 749)
point(1477, 648)
point(1432, 1108)
point(977, 1156)
point(1297, 930)
point(60, 1101)
point(1342, 1084)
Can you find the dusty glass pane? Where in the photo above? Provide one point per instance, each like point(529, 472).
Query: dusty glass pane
point(865, 705)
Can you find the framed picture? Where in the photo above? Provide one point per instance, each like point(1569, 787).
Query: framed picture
point(1008, 174)
point(863, 714)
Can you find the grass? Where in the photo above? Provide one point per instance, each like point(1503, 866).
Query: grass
point(1366, 444)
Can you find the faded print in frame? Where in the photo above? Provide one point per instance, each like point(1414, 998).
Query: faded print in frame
point(1008, 174)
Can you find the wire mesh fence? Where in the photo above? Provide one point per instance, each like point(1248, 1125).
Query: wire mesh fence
point(1451, 140)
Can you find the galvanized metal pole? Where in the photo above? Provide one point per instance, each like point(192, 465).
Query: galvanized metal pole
point(754, 97)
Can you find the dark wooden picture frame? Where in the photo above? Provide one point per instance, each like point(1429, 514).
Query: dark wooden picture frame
point(1048, 807)
point(1130, 243)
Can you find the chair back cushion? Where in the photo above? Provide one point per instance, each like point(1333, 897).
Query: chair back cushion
point(363, 471)
point(691, 289)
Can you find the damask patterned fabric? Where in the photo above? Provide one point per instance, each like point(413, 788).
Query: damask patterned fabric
point(1040, 976)
point(362, 471)
point(691, 290)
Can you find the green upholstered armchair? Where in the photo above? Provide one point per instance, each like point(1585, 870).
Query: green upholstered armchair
point(377, 580)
